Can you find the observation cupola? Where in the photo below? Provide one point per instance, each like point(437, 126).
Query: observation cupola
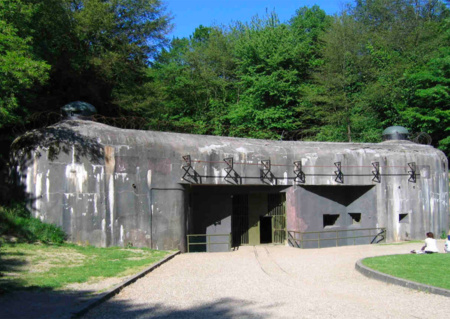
point(77, 109)
point(395, 133)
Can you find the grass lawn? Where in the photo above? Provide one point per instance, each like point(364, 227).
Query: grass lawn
point(431, 269)
point(25, 266)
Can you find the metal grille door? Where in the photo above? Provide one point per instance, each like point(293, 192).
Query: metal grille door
point(277, 209)
point(240, 220)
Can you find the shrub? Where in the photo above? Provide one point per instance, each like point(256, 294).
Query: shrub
point(17, 221)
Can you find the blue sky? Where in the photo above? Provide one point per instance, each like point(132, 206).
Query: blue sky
point(189, 14)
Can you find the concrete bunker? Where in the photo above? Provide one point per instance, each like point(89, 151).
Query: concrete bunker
point(113, 187)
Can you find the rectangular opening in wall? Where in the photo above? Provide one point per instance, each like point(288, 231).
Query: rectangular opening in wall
point(330, 219)
point(265, 229)
point(240, 219)
point(356, 218)
point(403, 218)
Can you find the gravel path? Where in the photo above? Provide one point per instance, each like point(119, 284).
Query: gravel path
point(272, 282)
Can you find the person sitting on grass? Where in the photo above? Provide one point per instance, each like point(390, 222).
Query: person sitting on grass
point(447, 245)
point(430, 245)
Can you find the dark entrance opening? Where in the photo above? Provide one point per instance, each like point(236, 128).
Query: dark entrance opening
point(265, 229)
point(239, 219)
point(224, 216)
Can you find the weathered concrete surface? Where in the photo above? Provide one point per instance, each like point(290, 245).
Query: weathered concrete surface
point(335, 201)
point(109, 186)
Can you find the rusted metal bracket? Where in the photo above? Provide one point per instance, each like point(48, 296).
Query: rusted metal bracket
point(339, 175)
point(189, 171)
point(231, 177)
point(266, 173)
point(376, 173)
point(266, 168)
point(299, 174)
point(412, 173)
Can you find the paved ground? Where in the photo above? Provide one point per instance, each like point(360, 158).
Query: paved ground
point(64, 303)
point(39, 305)
point(272, 282)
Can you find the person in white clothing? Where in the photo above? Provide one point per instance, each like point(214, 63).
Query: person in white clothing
point(447, 245)
point(430, 245)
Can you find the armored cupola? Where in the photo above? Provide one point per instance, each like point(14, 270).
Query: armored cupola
point(398, 133)
point(78, 109)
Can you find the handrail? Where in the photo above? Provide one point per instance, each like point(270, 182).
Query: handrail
point(333, 231)
point(191, 235)
point(294, 241)
point(208, 242)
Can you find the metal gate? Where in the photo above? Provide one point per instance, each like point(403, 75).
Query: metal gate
point(239, 220)
point(277, 209)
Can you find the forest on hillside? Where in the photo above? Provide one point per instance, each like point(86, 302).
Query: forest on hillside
point(315, 77)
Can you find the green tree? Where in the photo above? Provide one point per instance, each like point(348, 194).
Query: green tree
point(309, 25)
point(96, 48)
point(275, 63)
point(212, 64)
point(428, 107)
point(369, 52)
point(20, 69)
point(191, 83)
point(341, 78)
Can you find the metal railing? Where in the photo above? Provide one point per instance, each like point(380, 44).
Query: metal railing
point(203, 242)
point(296, 239)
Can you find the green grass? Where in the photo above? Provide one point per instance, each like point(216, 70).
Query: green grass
point(426, 269)
point(41, 266)
point(16, 221)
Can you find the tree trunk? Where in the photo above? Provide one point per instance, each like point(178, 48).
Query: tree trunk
point(349, 133)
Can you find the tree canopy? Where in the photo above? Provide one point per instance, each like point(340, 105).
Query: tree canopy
point(315, 77)
point(20, 68)
point(81, 49)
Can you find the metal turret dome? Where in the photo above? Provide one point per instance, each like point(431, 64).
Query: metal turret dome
point(77, 109)
point(395, 133)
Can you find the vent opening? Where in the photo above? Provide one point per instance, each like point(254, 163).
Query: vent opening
point(403, 218)
point(330, 220)
point(356, 218)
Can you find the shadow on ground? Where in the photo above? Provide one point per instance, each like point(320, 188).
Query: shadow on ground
point(10, 265)
point(223, 308)
point(20, 302)
point(64, 304)
point(40, 304)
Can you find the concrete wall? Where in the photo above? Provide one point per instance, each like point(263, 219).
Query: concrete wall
point(316, 203)
point(110, 186)
point(213, 217)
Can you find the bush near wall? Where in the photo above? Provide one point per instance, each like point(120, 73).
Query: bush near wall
point(17, 224)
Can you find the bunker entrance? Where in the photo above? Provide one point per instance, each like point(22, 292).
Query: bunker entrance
point(231, 216)
point(265, 229)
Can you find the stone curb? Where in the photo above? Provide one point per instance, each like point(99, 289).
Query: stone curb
point(373, 274)
point(115, 290)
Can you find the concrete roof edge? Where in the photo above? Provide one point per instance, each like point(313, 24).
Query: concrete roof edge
point(387, 145)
